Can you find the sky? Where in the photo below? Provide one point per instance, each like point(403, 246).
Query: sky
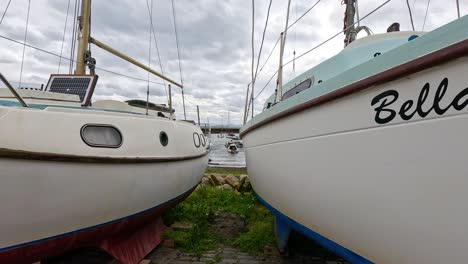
point(215, 44)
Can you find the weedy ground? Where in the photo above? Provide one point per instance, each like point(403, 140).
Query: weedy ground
point(202, 207)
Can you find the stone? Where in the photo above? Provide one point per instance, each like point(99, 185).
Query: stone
point(214, 180)
point(181, 226)
point(225, 187)
point(205, 181)
point(247, 185)
point(242, 180)
point(232, 180)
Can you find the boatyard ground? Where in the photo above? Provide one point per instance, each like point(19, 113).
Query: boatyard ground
point(223, 222)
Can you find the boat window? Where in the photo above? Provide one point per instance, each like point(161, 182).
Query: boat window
point(299, 88)
point(203, 140)
point(101, 136)
point(196, 140)
point(163, 138)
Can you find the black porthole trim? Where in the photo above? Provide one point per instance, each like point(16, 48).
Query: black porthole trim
point(100, 145)
point(203, 139)
point(163, 138)
point(377, 54)
point(194, 141)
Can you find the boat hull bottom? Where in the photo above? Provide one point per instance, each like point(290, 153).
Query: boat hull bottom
point(284, 225)
point(128, 240)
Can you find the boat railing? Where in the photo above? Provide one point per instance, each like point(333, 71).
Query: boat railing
point(13, 91)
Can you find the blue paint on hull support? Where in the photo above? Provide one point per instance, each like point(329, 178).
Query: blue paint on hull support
point(282, 232)
point(286, 222)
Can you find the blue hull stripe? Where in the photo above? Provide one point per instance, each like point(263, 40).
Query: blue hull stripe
point(91, 227)
point(321, 240)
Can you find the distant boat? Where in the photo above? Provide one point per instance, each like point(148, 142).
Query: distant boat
point(232, 148)
point(75, 175)
point(366, 153)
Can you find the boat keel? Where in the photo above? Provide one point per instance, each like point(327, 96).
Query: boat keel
point(282, 232)
point(131, 247)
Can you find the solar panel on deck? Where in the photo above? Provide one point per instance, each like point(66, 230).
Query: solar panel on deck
point(81, 85)
point(78, 86)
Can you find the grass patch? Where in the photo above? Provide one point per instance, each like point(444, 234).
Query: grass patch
point(225, 170)
point(200, 209)
point(260, 232)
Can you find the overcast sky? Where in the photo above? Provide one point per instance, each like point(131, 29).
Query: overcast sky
point(215, 44)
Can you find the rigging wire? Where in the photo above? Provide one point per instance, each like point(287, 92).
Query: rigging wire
point(414, 4)
point(252, 82)
point(68, 59)
point(410, 14)
point(425, 16)
point(157, 48)
point(269, 55)
point(337, 34)
point(63, 37)
point(263, 39)
point(330, 38)
point(73, 37)
point(4, 12)
point(149, 62)
point(305, 13)
point(24, 46)
point(178, 56)
point(254, 76)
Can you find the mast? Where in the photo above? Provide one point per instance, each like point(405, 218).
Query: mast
point(83, 36)
point(279, 90)
point(279, 82)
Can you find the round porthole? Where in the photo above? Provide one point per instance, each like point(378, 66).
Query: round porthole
point(163, 138)
point(203, 139)
point(196, 140)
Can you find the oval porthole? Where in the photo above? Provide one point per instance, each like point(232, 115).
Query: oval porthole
point(412, 37)
point(203, 140)
point(163, 138)
point(196, 140)
point(101, 136)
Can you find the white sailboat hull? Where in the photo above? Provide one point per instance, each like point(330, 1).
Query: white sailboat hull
point(45, 199)
point(391, 192)
point(59, 192)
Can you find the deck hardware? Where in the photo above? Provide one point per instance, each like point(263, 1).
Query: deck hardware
point(13, 91)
